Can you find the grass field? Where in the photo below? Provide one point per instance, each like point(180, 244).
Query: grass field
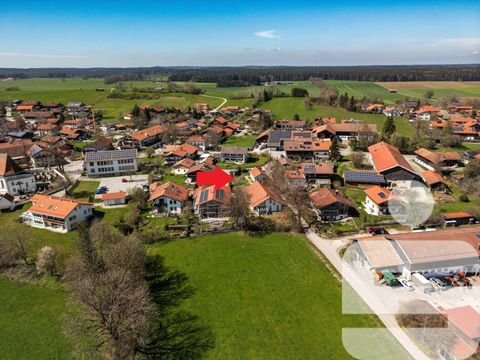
point(370, 90)
point(266, 298)
point(439, 88)
point(240, 141)
point(31, 322)
point(84, 190)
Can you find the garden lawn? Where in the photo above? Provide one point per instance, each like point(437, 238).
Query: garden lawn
point(240, 141)
point(84, 190)
point(30, 322)
point(266, 297)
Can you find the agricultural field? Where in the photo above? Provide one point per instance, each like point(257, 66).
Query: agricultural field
point(370, 90)
point(266, 297)
point(31, 322)
point(470, 89)
point(76, 89)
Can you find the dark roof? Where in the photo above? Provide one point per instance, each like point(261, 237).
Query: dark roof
point(111, 155)
point(365, 177)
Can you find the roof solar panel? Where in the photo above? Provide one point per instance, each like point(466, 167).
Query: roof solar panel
point(382, 195)
point(364, 177)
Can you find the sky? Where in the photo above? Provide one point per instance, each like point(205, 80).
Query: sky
point(123, 33)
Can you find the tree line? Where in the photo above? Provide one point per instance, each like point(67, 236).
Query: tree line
point(246, 76)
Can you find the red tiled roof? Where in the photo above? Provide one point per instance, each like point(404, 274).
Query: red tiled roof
point(324, 197)
point(456, 215)
point(147, 133)
point(432, 177)
point(114, 195)
point(386, 156)
point(170, 190)
point(258, 193)
point(54, 206)
point(378, 194)
point(466, 319)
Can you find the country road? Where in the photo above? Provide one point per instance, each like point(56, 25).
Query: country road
point(217, 97)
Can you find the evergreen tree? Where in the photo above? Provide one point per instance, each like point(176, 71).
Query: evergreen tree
point(389, 128)
point(335, 150)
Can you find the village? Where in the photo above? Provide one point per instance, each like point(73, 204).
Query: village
point(331, 178)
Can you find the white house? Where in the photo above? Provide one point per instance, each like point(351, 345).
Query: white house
point(262, 200)
point(376, 200)
point(56, 213)
point(182, 166)
point(168, 198)
point(13, 180)
point(234, 154)
point(111, 162)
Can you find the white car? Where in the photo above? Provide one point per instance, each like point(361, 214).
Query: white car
point(407, 284)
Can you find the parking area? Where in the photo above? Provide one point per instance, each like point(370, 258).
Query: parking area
point(123, 183)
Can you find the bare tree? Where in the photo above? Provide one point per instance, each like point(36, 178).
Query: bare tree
point(107, 285)
point(358, 159)
point(14, 246)
point(46, 260)
point(239, 209)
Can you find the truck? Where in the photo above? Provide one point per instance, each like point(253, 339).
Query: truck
point(390, 279)
point(422, 282)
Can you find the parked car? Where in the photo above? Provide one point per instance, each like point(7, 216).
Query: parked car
point(377, 231)
point(438, 283)
point(407, 284)
point(124, 180)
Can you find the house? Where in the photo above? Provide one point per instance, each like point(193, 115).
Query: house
point(425, 112)
point(198, 141)
point(111, 162)
point(114, 198)
point(168, 198)
point(375, 108)
point(317, 174)
point(7, 202)
point(392, 111)
point(144, 138)
point(212, 203)
point(234, 154)
point(438, 161)
point(102, 144)
point(56, 213)
point(376, 200)
point(262, 200)
point(364, 178)
point(256, 174)
point(458, 218)
point(307, 150)
point(178, 153)
point(182, 166)
point(331, 205)
point(389, 162)
point(47, 129)
point(295, 178)
point(17, 150)
point(42, 157)
point(345, 131)
point(194, 170)
point(434, 181)
point(14, 180)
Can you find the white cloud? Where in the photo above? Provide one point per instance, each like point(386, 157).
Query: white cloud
point(267, 34)
point(49, 56)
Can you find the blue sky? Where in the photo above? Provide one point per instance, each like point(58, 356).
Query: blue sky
point(148, 33)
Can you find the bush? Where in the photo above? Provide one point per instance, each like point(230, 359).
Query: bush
point(464, 198)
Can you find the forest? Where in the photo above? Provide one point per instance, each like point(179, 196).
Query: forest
point(247, 76)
